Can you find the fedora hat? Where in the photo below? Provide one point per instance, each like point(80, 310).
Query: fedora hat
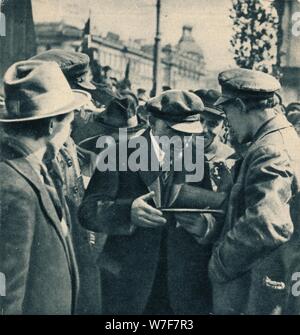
point(36, 90)
point(120, 114)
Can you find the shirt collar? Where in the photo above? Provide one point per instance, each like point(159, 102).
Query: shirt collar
point(158, 151)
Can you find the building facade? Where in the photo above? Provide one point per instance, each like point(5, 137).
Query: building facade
point(182, 66)
point(290, 51)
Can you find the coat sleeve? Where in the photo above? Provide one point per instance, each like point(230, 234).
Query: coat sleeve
point(16, 236)
point(266, 222)
point(102, 210)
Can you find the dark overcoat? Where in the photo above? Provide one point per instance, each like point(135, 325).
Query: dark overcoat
point(131, 255)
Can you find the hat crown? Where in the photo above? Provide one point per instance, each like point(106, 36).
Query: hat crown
point(248, 80)
point(35, 89)
point(73, 64)
point(120, 113)
point(175, 105)
point(180, 109)
point(209, 98)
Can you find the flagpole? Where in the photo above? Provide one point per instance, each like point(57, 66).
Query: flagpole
point(89, 37)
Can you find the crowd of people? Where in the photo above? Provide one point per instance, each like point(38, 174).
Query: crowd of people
point(78, 239)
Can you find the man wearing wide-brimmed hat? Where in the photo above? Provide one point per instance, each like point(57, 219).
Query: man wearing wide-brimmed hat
point(120, 115)
point(37, 254)
point(149, 263)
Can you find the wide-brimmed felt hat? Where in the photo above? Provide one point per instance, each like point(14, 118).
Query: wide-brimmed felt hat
point(36, 90)
point(74, 65)
point(209, 97)
point(120, 114)
point(180, 109)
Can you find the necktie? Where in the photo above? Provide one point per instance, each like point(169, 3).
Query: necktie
point(166, 183)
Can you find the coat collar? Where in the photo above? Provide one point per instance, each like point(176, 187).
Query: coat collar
point(17, 160)
point(278, 122)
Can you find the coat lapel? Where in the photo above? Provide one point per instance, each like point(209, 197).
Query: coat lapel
point(151, 180)
point(23, 167)
point(177, 184)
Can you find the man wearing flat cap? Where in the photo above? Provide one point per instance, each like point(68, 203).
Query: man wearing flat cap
point(217, 171)
point(253, 264)
point(37, 255)
point(149, 263)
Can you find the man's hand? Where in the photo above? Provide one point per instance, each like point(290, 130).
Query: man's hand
point(194, 223)
point(144, 215)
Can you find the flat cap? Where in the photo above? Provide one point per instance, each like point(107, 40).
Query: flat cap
point(246, 83)
point(180, 109)
point(209, 97)
point(74, 65)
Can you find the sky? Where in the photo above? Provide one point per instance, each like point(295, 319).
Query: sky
point(135, 19)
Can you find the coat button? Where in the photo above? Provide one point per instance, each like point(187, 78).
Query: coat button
point(76, 189)
point(69, 162)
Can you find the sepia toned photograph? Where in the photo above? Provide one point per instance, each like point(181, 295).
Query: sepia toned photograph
point(149, 160)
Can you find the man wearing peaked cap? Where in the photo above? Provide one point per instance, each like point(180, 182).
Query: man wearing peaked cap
point(252, 266)
point(74, 65)
point(150, 264)
point(179, 109)
point(76, 166)
point(37, 254)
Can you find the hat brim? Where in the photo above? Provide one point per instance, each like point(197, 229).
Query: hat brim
point(223, 100)
point(216, 112)
point(90, 142)
point(87, 85)
point(81, 98)
point(194, 127)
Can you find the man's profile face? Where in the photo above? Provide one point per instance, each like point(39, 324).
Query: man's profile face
point(212, 127)
point(238, 121)
point(62, 130)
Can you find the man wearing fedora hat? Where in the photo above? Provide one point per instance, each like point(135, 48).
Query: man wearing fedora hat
point(149, 263)
point(120, 114)
point(253, 265)
point(37, 254)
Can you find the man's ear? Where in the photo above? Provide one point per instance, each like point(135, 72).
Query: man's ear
point(51, 127)
point(241, 105)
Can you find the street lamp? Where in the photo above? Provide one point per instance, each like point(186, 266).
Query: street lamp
point(157, 52)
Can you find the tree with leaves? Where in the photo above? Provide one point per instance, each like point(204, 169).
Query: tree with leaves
point(255, 42)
